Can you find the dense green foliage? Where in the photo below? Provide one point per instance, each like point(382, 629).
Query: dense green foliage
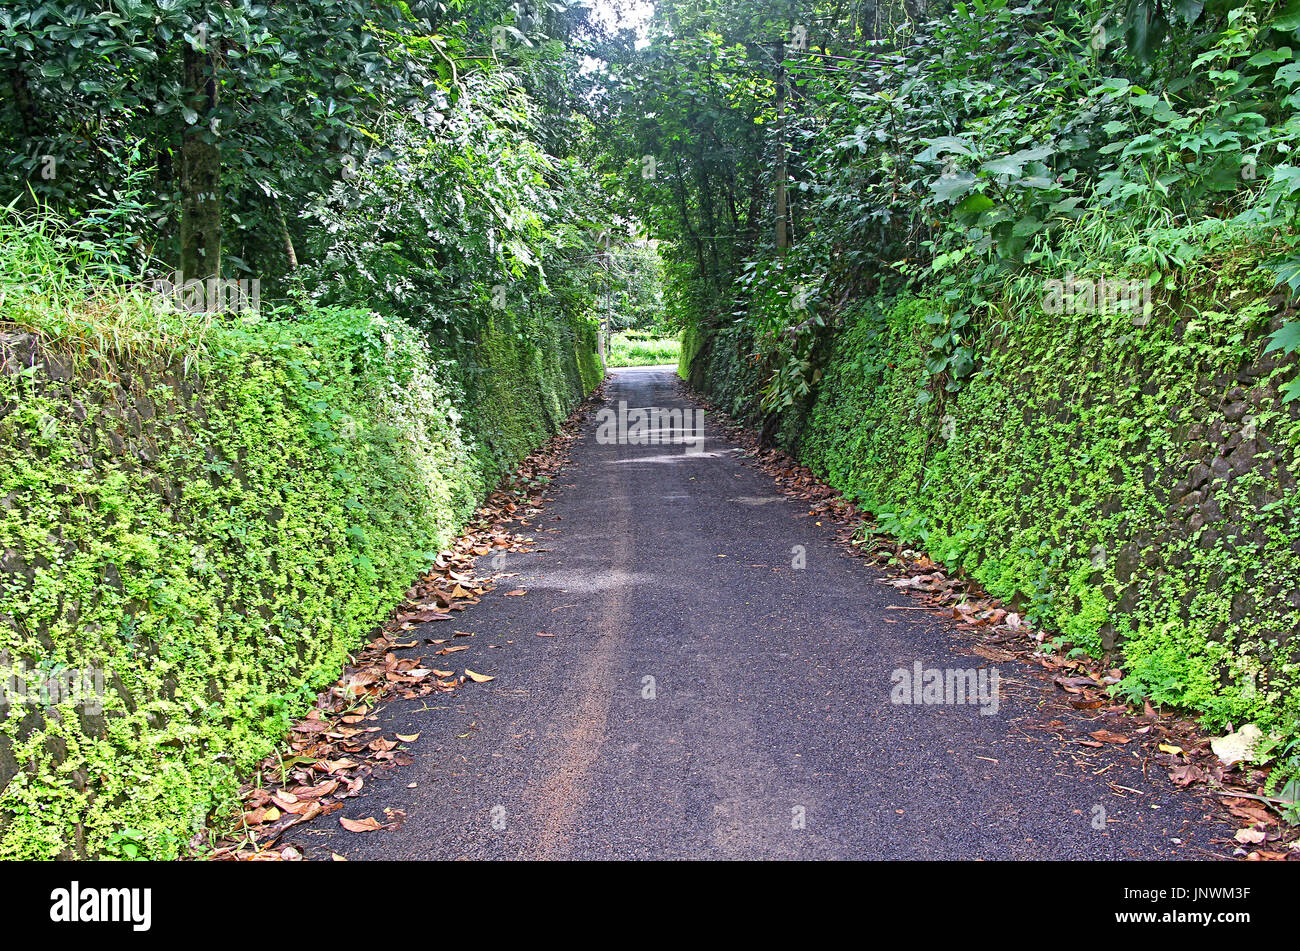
point(426, 161)
point(215, 515)
point(213, 508)
point(633, 290)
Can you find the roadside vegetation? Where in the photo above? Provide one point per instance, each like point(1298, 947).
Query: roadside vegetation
point(1016, 278)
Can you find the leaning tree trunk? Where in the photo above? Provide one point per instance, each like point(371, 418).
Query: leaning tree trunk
point(200, 173)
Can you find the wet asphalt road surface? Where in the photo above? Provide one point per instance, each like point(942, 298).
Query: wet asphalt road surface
point(767, 730)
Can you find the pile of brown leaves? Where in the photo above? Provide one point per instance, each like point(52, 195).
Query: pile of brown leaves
point(1170, 742)
point(335, 748)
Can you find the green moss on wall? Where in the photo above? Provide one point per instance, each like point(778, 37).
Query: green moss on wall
point(692, 339)
point(215, 526)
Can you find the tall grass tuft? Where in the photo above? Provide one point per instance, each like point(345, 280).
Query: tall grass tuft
point(59, 284)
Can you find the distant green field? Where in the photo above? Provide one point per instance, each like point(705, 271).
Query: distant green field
point(634, 349)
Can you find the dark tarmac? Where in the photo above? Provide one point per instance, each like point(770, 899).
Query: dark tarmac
point(771, 732)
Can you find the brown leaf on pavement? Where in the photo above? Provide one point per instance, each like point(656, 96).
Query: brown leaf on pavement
point(368, 824)
point(1106, 736)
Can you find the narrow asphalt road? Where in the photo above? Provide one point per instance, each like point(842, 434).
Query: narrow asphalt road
point(769, 731)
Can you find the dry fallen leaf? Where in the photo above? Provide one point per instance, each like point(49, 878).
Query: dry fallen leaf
point(1256, 814)
point(478, 678)
point(315, 792)
point(1238, 746)
point(368, 824)
point(1186, 775)
point(1108, 737)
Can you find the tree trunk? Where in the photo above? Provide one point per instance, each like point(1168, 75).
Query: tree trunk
point(200, 173)
point(288, 241)
point(782, 240)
